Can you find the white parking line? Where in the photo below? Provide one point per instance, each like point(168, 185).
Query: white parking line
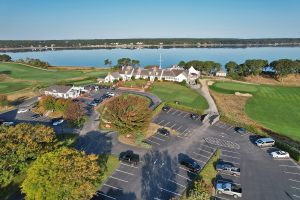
point(231, 162)
point(112, 186)
point(170, 191)
point(294, 180)
point(178, 128)
point(295, 188)
point(185, 115)
point(230, 156)
point(125, 172)
point(179, 114)
point(167, 123)
point(186, 133)
point(177, 183)
point(106, 195)
point(230, 127)
point(198, 154)
point(188, 170)
point(207, 146)
point(161, 122)
point(128, 165)
point(119, 179)
point(230, 151)
point(157, 198)
point(183, 177)
point(158, 138)
point(173, 125)
point(152, 141)
point(169, 110)
point(210, 152)
point(291, 173)
point(296, 196)
point(198, 160)
point(174, 112)
point(296, 166)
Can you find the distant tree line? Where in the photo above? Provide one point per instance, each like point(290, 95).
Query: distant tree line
point(205, 67)
point(154, 41)
point(122, 62)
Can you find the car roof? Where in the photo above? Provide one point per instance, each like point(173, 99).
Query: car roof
point(266, 139)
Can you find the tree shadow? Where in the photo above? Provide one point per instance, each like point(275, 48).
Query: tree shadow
point(158, 169)
point(11, 192)
point(6, 72)
point(94, 142)
point(119, 193)
point(18, 101)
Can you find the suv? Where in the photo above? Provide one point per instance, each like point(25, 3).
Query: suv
point(166, 108)
point(163, 131)
point(265, 142)
point(191, 164)
point(227, 168)
point(129, 157)
point(229, 188)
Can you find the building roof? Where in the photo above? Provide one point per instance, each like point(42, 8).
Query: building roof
point(58, 88)
point(115, 74)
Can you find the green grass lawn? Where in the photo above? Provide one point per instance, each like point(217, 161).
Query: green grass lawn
point(9, 87)
point(232, 87)
point(170, 92)
point(136, 83)
point(275, 107)
point(42, 77)
point(109, 163)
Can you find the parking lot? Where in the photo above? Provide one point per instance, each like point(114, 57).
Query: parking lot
point(179, 121)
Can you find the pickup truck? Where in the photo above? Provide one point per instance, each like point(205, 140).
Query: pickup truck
point(129, 157)
point(227, 168)
point(228, 188)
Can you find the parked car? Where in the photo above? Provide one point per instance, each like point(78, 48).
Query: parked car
point(22, 110)
point(93, 103)
point(110, 94)
point(191, 164)
point(7, 123)
point(57, 122)
point(163, 131)
point(265, 142)
point(129, 157)
point(194, 116)
point(227, 168)
point(240, 130)
point(96, 100)
point(203, 117)
point(280, 154)
point(35, 116)
point(166, 108)
point(228, 188)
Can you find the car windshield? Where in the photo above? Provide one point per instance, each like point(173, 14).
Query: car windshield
point(195, 164)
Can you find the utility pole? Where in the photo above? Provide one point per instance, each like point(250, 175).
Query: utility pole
point(160, 61)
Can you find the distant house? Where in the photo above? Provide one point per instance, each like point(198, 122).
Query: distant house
point(111, 77)
point(62, 91)
point(221, 73)
point(174, 73)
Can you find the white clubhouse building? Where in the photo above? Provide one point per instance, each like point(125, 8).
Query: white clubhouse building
point(175, 73)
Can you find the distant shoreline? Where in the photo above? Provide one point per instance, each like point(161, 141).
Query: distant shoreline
point(133, 47)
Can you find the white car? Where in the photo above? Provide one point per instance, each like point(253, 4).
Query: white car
point(110, 94)
point(22, 110)
point(58, 122)
point(7, 123)
point(280, 154)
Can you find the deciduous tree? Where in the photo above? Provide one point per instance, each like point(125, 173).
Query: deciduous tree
point(129, 114)
point(62, 174)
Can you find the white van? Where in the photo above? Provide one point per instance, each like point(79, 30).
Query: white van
point(265, 142)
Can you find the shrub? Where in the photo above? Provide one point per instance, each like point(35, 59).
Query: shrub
point(294, 153)
point(3, 100)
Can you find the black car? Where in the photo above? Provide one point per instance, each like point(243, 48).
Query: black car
point(163, 131)
point(166, 108)
point(191, 164)
point(194, 116)
point(129, 157)
point(35, 116)
point(97, 100)
point(240, 130)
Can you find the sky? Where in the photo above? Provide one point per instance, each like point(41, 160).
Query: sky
point(103, 19)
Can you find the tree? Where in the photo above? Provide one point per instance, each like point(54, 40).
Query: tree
point(5, 58)
point(231, 67)
point(20, 145)
point(62, 174)
point(74, 111)
point(129, 114)
point(181, 63)
point(3, 100)
point(48, 102)
point(135, 63)
point(282, 67)
point(255, 66)
point(107, 62)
